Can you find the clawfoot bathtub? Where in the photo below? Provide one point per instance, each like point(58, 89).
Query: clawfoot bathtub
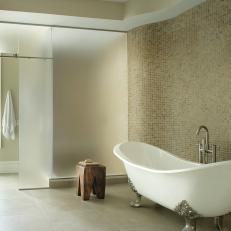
point(192, 190)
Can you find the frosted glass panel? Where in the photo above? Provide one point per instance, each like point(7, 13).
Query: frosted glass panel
point(36, 122)
point(35, 41)
point(8, 38)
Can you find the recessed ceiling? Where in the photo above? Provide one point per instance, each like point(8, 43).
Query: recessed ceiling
point(119, 1)
point(121, 15)
point(110, 0)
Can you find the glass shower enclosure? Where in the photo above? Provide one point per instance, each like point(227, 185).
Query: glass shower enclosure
point(35, 121)
point(31, 46)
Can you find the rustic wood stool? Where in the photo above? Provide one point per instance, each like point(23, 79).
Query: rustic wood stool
point(90, 178)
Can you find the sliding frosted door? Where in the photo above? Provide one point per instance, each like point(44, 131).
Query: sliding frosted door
point(35, 123)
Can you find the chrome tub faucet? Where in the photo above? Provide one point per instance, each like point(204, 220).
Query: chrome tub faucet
point(206, 154)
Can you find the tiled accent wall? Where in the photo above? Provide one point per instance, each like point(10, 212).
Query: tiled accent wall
point(180, 78)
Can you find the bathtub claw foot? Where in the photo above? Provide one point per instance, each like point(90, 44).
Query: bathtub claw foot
point(219, 224)
point(190, 225)
point(137, 202)
point(185, 210)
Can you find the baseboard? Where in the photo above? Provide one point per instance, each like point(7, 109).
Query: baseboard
point(9, 166)
point(63, 182)
point(116, 179)
point(67, 182)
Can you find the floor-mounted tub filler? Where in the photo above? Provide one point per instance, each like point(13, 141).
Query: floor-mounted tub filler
point(191, 189)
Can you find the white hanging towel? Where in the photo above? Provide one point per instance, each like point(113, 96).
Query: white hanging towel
point(8, 119)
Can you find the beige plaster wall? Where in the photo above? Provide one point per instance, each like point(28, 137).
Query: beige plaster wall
point(9, 150)
point(180, 78)
point(90, 106)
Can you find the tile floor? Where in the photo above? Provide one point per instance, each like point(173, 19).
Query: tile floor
point(61, 210)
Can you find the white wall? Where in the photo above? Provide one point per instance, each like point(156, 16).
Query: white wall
point(32, 41)
point(9, 81)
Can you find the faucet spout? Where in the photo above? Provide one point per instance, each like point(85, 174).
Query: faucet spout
point(203, 127)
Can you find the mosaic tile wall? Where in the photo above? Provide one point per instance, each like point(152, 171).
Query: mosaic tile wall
point(180, 78)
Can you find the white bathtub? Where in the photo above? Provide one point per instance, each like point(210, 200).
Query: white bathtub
point(169, 180)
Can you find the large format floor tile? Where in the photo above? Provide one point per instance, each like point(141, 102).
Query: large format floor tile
point(62, 210)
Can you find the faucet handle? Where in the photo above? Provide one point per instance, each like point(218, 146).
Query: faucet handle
point(214, 153)
point(218, 147)
point(214, 150)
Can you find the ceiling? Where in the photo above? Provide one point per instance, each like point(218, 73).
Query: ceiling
point(121, 15)
point(113, 0)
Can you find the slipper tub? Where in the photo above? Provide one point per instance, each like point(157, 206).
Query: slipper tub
point(192, 190)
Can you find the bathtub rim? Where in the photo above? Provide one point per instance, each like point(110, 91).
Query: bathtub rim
point(117, 152)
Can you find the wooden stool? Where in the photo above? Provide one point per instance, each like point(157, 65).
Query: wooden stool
point(91, 178)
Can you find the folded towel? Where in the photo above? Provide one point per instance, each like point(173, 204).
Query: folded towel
point(8, 119)
point(88, 162)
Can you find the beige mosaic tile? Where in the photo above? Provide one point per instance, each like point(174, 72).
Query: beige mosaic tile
point(180, 78)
